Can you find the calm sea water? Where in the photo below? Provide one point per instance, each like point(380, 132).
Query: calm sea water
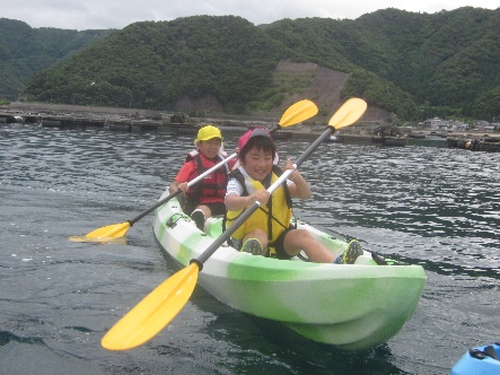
point(432, 206)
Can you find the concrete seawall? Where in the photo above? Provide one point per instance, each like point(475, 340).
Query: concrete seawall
point(131, 120)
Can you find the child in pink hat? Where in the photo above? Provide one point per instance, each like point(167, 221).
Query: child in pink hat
point(268, 231)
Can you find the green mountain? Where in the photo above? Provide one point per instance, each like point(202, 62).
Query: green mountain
point(446, 63)
point(25, 51)
point(410, 64)
point(226, 60)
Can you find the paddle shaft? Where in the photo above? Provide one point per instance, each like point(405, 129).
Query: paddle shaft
point(249, 211)
point(190, 183)
point(179, 191)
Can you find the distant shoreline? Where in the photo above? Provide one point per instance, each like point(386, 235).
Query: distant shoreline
point(96, 113)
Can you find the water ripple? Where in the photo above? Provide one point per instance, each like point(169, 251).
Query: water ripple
point(431, 206)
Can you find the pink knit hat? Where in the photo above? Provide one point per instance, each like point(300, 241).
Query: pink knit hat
point(263, 132)
point(252, 133)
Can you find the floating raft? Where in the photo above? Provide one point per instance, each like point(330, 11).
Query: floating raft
point(490, 144)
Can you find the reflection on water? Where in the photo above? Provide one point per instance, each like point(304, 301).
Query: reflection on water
point(432, 206)
point(270, 348)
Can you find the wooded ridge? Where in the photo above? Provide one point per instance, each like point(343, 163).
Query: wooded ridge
point(413, 65)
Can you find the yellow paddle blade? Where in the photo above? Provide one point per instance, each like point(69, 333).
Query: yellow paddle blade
point(298, 112)
point(110, 231)
point(154, 312)
point(348, 113)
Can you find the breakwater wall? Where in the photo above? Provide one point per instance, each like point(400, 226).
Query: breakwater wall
point(105, 122)
point(146, 121)
point(125, 123)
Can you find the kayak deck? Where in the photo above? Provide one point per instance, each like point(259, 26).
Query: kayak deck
point(350, 306)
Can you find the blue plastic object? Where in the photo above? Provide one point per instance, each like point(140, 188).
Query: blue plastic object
point(483, 360)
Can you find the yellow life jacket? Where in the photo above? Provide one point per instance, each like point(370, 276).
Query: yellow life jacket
point(276, 214)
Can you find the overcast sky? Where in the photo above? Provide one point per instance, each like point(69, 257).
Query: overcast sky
point(107, 14)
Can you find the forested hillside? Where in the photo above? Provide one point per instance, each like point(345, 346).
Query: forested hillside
point(25, 51)
point(414, 65)
point(447, 63)
point(225, 61)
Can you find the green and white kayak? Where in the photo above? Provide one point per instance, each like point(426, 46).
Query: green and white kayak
point(352, 307)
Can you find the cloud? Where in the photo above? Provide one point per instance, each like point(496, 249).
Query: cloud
point(99, 14)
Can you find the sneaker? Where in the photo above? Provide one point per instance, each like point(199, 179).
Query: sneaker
point(253, 246)
point(378, 259)
point(350, 255)
point(198, 218)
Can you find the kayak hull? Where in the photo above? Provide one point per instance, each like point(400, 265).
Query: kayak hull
point(353, 307)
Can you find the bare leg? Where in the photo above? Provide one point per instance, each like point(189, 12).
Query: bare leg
point(200, 214)
point(299, 239)
point(206, 211)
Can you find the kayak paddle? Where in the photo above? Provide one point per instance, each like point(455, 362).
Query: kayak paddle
point(297, 112)
point(159, 307)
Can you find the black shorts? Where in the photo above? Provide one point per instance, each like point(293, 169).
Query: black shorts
point(279, 247)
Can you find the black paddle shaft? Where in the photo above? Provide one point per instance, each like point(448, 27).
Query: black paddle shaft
point(150, 209)
point(246, 214)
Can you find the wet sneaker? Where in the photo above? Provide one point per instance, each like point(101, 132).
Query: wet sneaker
point(198, 218)
point(253, 246)
point(378, 259)
point(350, 255)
